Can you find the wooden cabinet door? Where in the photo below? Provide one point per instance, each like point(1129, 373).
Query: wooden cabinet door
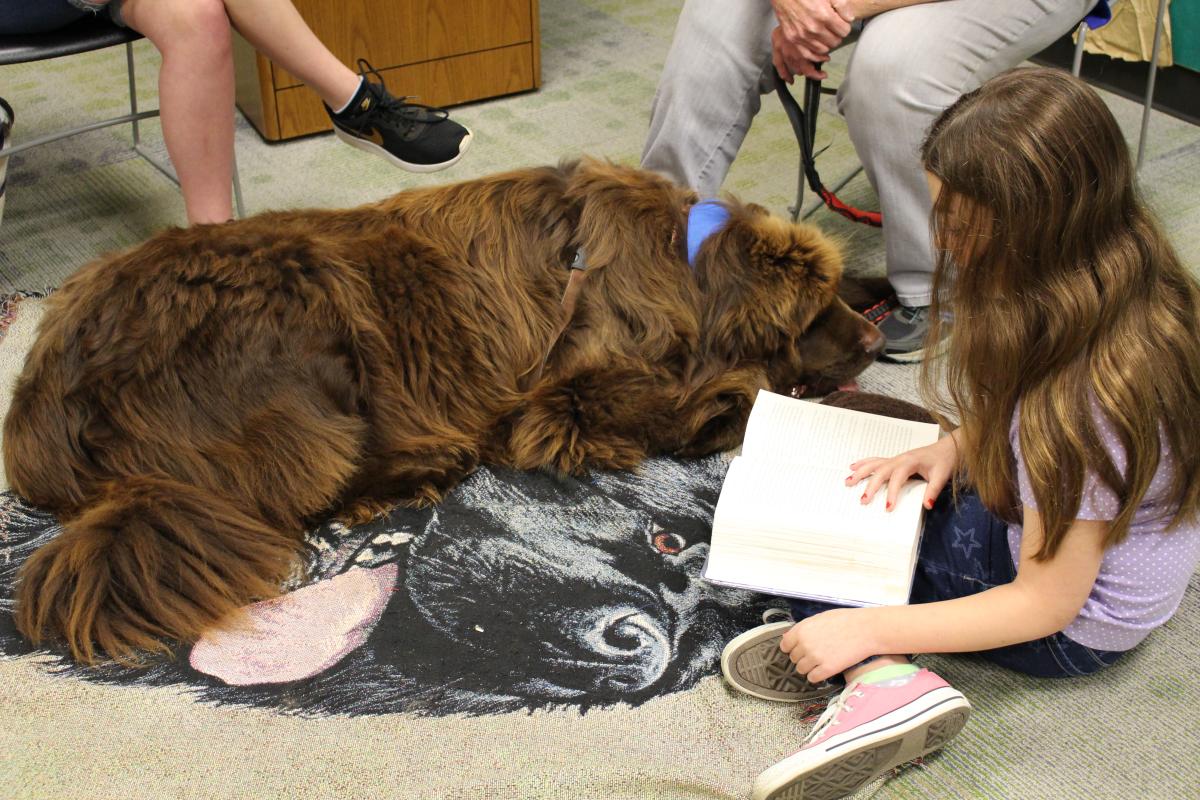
point(392, 33)
point(443, 51)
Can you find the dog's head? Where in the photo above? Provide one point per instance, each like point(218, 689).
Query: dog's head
point(770, 295)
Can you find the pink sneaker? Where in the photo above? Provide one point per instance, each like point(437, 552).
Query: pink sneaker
point(869, 729)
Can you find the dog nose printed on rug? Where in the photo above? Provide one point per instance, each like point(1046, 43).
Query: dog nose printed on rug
point(520, 591)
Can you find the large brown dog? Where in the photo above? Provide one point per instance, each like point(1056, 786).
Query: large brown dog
point(192, 404)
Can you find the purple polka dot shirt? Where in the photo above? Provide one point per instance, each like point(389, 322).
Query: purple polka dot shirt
point(1142, 579)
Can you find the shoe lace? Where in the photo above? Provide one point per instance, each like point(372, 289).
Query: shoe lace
point(911, 314)
point(830, 717)
point(399, 109)
point(881, 310)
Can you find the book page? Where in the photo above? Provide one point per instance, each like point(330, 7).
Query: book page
point(814, 502)
point(795, 579)
point(801, 532)
point(786, 429)
point(786, 522)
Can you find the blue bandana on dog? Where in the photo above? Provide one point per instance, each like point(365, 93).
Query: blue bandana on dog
point(705, 218)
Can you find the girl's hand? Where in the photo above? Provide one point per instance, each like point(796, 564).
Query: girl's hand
point(935, 463)
point(828, 643)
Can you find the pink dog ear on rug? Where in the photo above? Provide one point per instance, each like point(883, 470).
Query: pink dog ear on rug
point(300, 634)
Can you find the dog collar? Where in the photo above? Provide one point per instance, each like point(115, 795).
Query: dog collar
point(704, 219)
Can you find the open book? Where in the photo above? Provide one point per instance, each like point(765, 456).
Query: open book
point(787, 524)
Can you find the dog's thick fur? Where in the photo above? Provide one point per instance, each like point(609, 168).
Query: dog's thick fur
point(192, 404)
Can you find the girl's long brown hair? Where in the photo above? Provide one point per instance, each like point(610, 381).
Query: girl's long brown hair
point(1062, 293)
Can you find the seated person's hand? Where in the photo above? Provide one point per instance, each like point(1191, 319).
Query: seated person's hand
point(808, 30)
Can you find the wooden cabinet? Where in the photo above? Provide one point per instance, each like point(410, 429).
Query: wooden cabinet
point(443, 51)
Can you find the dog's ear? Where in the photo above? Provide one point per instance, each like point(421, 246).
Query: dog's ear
point(763, 279)
point(300, 634)
point(779, 250)
point(756, 245)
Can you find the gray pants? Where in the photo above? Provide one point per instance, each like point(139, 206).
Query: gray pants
point(908, 65)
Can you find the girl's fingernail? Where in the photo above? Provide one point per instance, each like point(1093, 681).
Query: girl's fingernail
point(929, 505)
point(887, 506)
point(863, 499)
point(848, 479)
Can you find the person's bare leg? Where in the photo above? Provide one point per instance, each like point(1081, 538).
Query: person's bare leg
point(195, 95)
point(277, 30)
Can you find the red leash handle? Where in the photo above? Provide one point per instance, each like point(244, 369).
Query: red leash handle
point(872, 218)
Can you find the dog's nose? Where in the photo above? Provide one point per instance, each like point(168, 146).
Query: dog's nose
point(873, 341)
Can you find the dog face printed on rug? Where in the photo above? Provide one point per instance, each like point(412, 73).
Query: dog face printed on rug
point(520, 591)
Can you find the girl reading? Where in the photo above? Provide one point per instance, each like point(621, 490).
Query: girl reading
point(1064, 510)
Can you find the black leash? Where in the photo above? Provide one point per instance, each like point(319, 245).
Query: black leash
point(806, 129)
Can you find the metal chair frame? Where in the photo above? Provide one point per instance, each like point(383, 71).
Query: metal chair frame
point(26, 54)
point(1148, 100)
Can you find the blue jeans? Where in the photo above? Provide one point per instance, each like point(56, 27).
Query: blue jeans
point(964, 551)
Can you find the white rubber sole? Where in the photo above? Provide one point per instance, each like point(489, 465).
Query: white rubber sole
point(378, 150)
point(841, 764)
point(917, 356)
point(914, 357)
point(753, 664)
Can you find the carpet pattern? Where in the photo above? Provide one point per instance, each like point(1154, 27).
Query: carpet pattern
point(354, 707)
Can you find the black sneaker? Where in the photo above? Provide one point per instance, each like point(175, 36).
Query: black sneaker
point(412, 136)
point(905, 329)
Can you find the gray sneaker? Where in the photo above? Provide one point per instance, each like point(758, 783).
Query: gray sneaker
point(753, 664)
point(905, 330)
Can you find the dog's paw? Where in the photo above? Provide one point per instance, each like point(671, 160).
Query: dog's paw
point(362, 511)
point(878, 404)
point(804, 391)
point(423, 496)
